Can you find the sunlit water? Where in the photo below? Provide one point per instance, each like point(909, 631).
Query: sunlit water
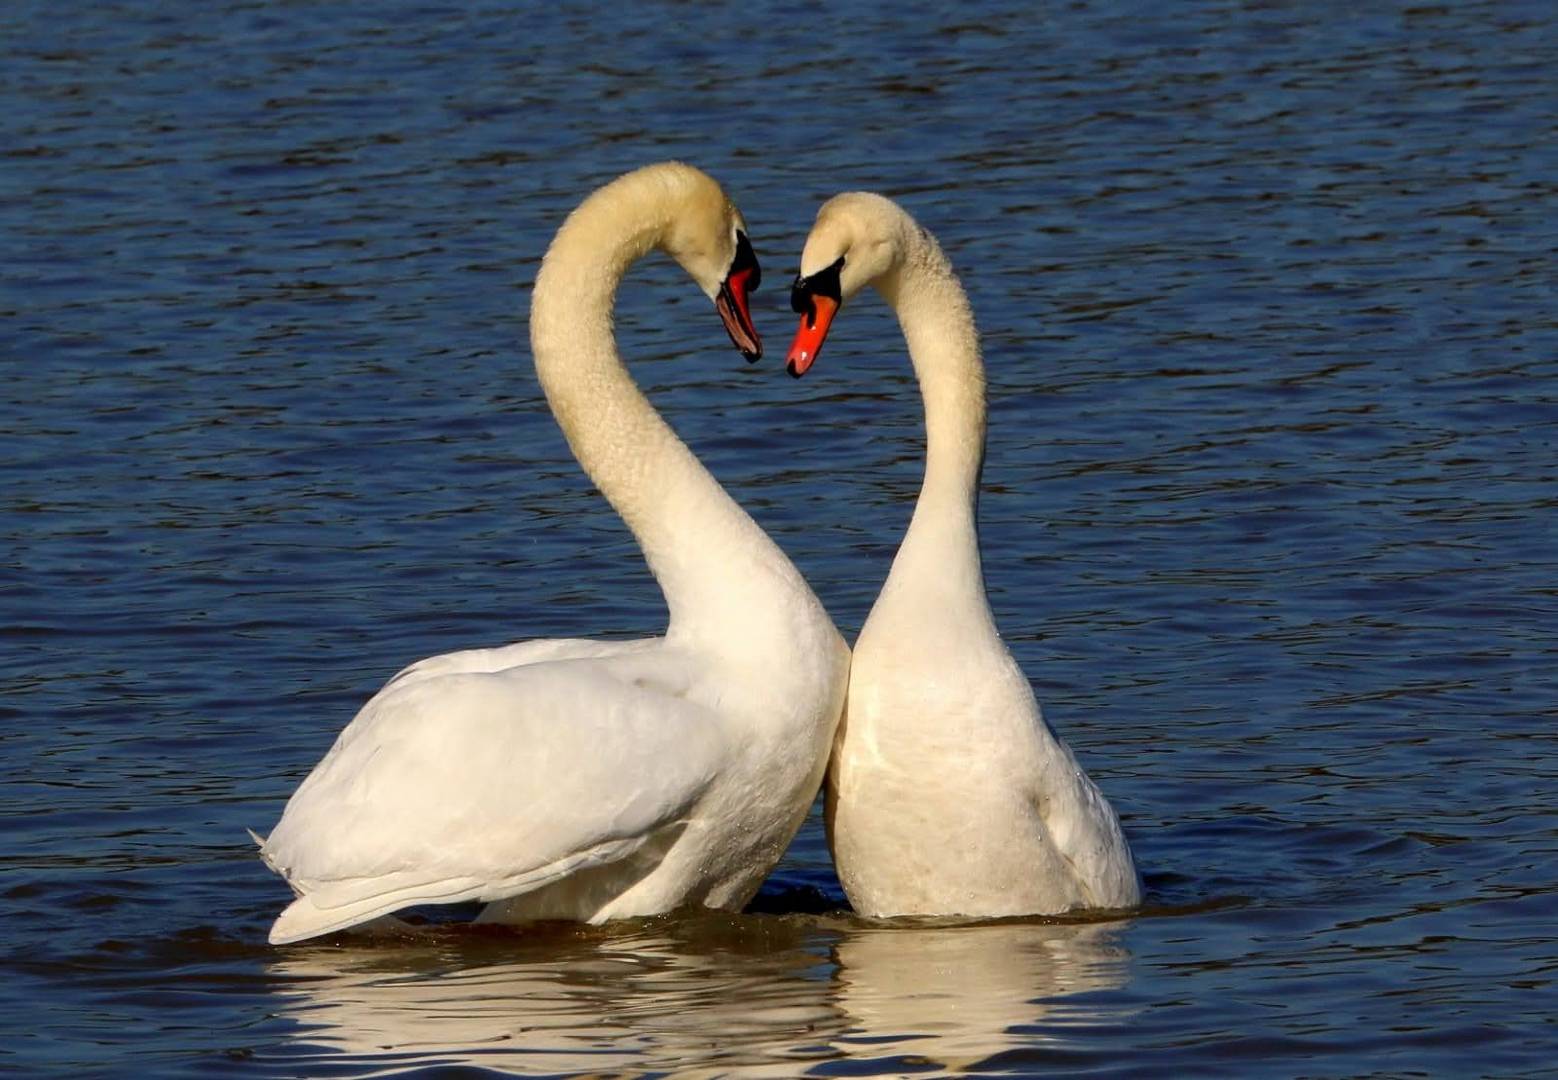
point(1269, 309)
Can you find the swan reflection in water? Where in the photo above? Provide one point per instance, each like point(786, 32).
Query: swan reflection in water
point(956, 995)
point(749, 995)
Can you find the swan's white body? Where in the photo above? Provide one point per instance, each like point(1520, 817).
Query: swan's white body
point(948, 793)
point(592, 780)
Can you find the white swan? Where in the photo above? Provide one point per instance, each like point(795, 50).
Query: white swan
point(948, 793)
point(595, 780)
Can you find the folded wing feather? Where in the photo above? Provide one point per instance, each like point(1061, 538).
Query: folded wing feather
point(479, 785)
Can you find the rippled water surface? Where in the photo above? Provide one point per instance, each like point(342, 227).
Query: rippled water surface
point(1268, 300)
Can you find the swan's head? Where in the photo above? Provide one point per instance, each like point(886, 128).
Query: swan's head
point(707, 236)
point(858, 240)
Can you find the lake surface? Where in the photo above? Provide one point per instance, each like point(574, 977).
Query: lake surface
point(1268, 301)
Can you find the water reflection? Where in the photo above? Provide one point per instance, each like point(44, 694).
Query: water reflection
point(751, 995)
point(754, 995)
point(959, 995)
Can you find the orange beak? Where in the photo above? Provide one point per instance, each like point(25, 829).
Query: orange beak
point(731, 300)
point(810, 335)
point(816, 298)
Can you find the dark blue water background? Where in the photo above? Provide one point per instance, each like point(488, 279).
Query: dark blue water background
point(1269, 309)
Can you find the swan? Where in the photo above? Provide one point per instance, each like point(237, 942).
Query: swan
point(593, 780)
point(948, 794)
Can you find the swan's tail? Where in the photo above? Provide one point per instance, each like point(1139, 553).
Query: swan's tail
point(303, 919)
point(265, 857)
point(349, 903)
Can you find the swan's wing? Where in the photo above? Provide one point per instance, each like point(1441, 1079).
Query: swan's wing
point(480, 786)
point(1080, 822)
point(536, 651)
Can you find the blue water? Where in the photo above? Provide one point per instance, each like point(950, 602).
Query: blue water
point(1268, 302)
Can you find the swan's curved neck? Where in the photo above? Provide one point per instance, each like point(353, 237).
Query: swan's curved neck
point(942, 542)
point(707, 554)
